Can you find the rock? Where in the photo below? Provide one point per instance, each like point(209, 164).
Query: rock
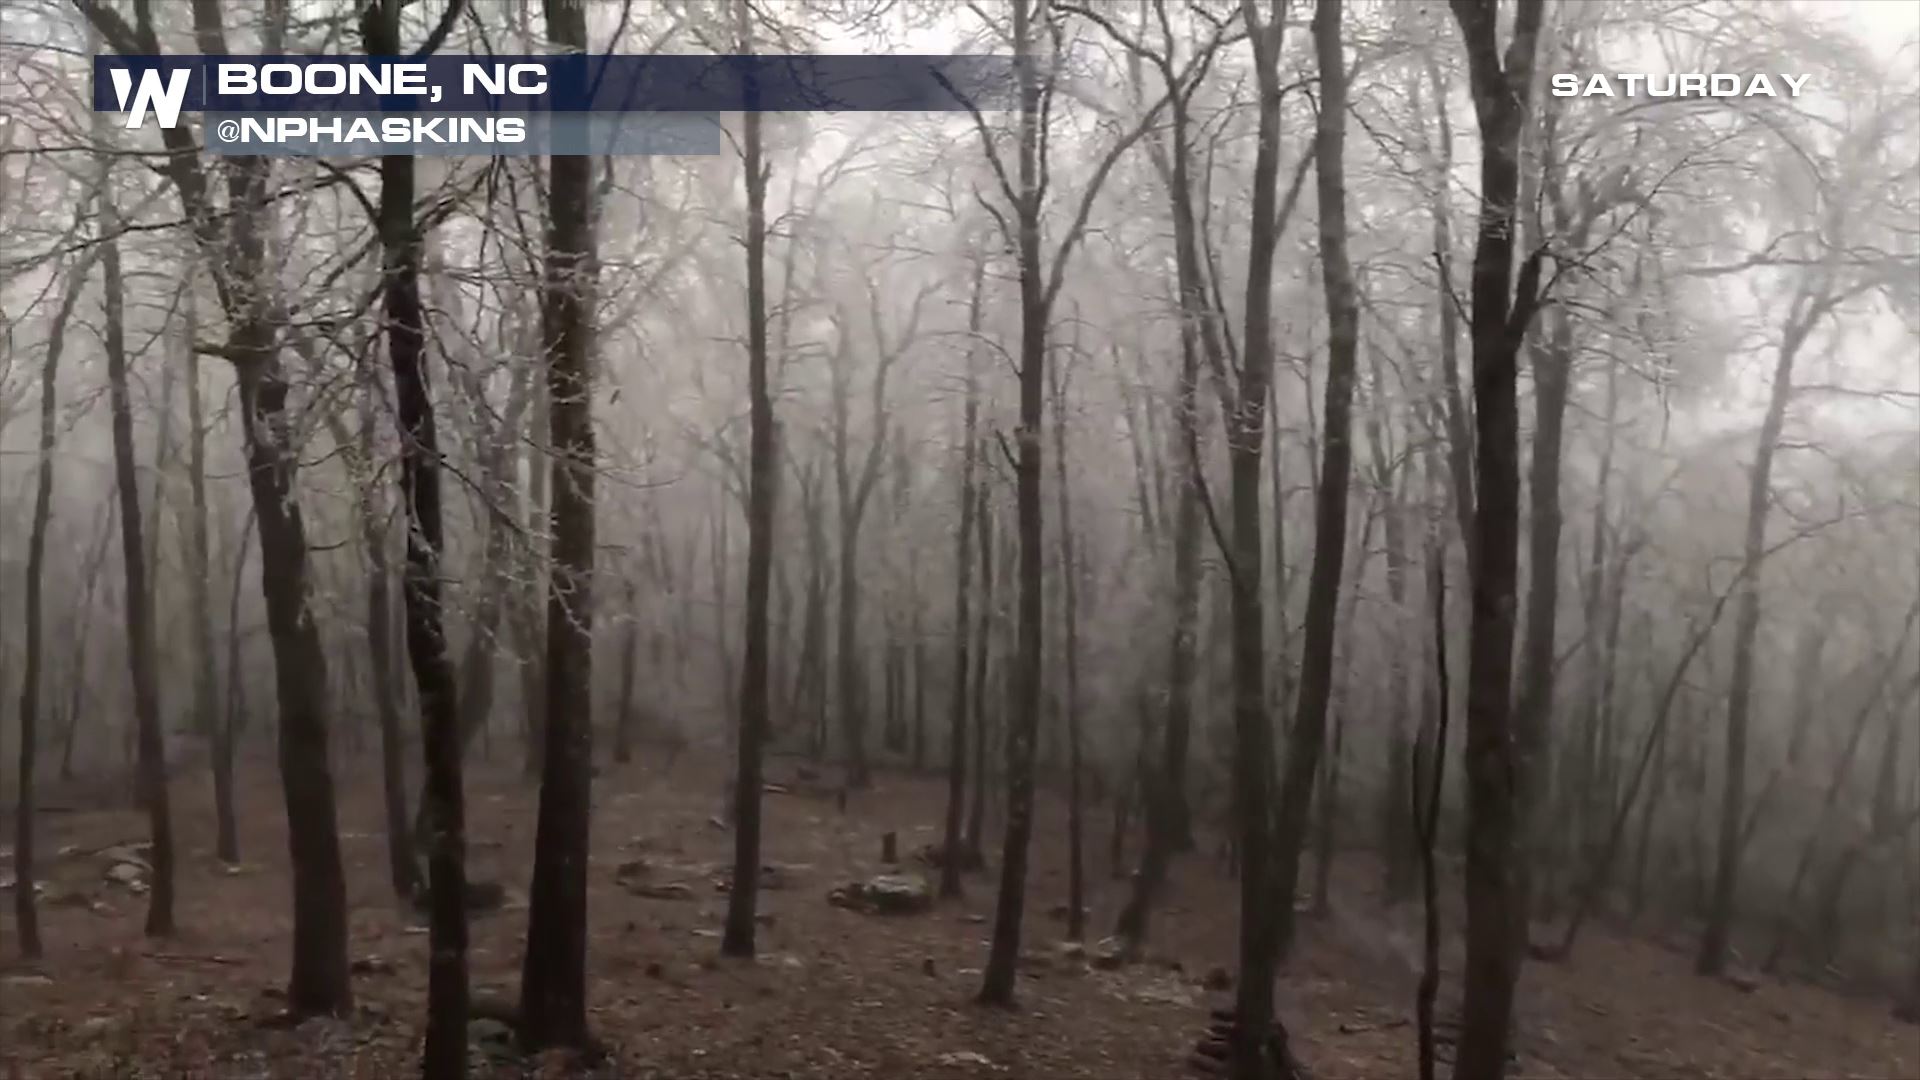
point(128, 875)
point(1072, 952)
point(97, 1027)
point(671, 890)
point(1109, 955)
point(493, 1038)
point(632, 868)
point(1744, 981)
point(885, 894)
point(372, 965)
point(965, 1057)
point(1217, 978)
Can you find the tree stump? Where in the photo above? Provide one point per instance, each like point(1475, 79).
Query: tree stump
point(889, 848)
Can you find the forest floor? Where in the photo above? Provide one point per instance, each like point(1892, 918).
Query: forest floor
point(835, 993)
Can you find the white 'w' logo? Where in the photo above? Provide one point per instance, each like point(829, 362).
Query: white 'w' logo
point(163, 101)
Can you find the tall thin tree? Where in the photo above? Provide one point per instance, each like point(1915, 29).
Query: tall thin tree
point(763, 470)
point(553, 978)
point(1496, 912)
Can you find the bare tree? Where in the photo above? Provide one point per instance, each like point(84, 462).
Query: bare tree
point(1496, 904)
point(553, 991)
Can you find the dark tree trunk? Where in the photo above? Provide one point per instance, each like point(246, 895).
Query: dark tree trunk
point(237, 257)
point(1307, 738)
point(762, 475)
point(984, 534)
point(1326, 839)
point(553, 990)
point(206, 711)
point(1647, 817)
point(25, 913)
point(917, 658)
point(850, 662)
point(233, 712)
point(1581, 780)
point(1253, 810)
point(403, 871)
point(499, 463)
point(1496, 908)
point(854, 492)
point(533, 580)
point(382, 628)
point(1398, 841)
point(1023, 702)
point(1427, 797)
point(1070, 645)
point(83, 634)
point(951, 844)
point(1453, 407)
point(623, 721)
point(1714, 939)
point(141, 652)
point(445, 1054)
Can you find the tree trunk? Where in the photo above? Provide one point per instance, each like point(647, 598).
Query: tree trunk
point(553, 979)
point(917, 660)
point(1453, 407)
point(445, 1054)
point(1426, 795)
point(237, 255)
point(82, 635)
point(1246, 437)
point(1714, 939)
point(951, 847)
point(141, 651)
point(233, 713)
point(206, 713)
point(997, 981)
point(623, 722)
point(1398, 841)
point(1307, 738)
point(762, 466)
point(1579, 790)
point(529, 616)
point(1169, 817)
point(977, 811)
point(405, 874)
point(25, 913)
point(1496, 911)
point(498, 466)
point(1070, 629)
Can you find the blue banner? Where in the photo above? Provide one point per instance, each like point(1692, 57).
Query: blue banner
point(568, 83)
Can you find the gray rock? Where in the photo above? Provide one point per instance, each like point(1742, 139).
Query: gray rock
point(885, 894)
